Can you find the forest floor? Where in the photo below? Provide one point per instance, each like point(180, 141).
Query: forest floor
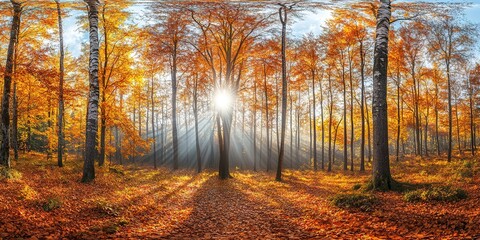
point(42, 201)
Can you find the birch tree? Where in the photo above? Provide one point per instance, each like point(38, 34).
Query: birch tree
point(381, 164)
point(92, 109)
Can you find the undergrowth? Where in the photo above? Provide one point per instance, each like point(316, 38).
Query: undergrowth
point(438, 193)
point(362, 202)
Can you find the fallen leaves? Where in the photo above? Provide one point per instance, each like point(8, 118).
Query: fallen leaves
point(143, 203)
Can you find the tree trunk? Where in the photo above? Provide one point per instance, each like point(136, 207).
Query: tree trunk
point(362, 108)
point(368, 132)
point(7, 81)
point(195, 112)
point(345, 144)
point(60, 136)
point(267, 126)
point(298, 131)
point(283, 19)
point(154, 136)
point(330, 115)
point(472, 117)
point(291, 131)
point(381, 165)
point(174, 108)
point(92, 110)
point(255, 126)
point(397, 148)
point(352, 132)
point(335, 139)
point(458, 128)
point(103, 108)
point(15, 120)
point(450, 121)
point(314, 125)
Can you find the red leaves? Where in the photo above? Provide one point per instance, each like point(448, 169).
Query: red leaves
point(160, 204)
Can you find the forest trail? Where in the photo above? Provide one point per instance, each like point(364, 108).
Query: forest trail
point(221, 209)
point(139, 203)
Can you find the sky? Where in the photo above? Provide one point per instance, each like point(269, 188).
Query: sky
point(310, 22)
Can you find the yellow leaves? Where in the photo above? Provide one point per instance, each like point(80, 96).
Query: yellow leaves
point(144, 203)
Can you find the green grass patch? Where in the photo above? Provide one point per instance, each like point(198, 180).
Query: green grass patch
point(438, 193)
point(362, 202)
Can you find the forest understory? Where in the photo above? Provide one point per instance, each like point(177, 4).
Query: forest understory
point(42, 201)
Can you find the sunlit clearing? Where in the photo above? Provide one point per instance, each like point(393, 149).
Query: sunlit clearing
point(223, 100)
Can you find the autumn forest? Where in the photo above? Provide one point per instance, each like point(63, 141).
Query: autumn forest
point(323, 119)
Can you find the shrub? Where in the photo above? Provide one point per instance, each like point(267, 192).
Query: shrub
point(357, 186)
point(106, 208)
point(52, 203)
point(363, 202)
point(439, 193)
point(466, 170)
point(9, 173)
point(27, 193)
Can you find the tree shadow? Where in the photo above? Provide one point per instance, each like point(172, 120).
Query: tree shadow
point(222, 210)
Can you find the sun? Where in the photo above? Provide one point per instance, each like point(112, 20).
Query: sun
point(223, 100)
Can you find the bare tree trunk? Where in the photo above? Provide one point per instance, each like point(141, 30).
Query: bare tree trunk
point(314, 125)
point(450, 121)
point(362, 108)
point(283, 19)
point(154, 136)
point(298, 130)
point(269, 149)
point(291, 131)
point(458, 128)
point(49, 126)
point(335, 139)
point(15, 121)
point(103, 108)
point(345, 144)
point(330, 115)
point(352, 132)
point(426, 123)
point(92, 110)
point(174, 108)
point(60, 136)
point(368, 132)
point(397, 148)
point(472, 117)
point(7, 81)
point(255, 126)
point(195, 112)
point(323, 126)
point(381, 165)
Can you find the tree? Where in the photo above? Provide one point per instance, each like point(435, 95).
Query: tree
point(60, 120)
point(7, 80)
point(283, 13)
point(381, 164)
point(450, 41)
point(93, 98)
